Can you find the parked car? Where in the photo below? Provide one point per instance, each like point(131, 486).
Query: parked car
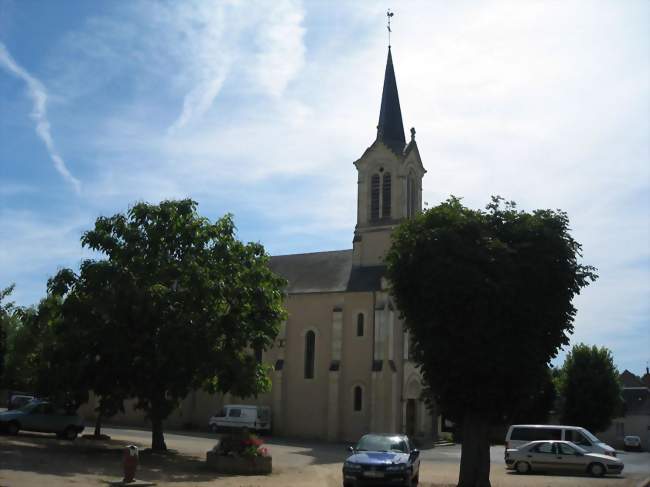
point(382, 459)
point(18, 400)
point(560, 456)
point(520, 434)
point(44, 417)
point(256, 418)
point(632, 442)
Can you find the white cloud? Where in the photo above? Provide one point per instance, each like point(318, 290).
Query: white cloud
point(37, 93)
point(269, 103)
point(280, 47)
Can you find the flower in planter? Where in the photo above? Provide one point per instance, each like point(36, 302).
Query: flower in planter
point(252, 447)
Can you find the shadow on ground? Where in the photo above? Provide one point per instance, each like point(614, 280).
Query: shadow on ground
point(47, 455)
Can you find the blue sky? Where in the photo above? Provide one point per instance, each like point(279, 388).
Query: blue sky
point(259, 108)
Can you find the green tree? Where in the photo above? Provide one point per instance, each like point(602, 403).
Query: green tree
point(6, 322)
point(487, 297)
point(590, 388)
point(88, 339)
point(535, 408)
point(179, 300)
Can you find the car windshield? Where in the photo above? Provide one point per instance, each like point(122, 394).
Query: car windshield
point(590, 436)
point(382, 443)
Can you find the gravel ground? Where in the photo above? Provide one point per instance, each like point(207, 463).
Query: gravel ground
point(33, 460)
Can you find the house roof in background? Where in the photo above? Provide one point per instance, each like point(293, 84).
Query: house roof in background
point(628, 379)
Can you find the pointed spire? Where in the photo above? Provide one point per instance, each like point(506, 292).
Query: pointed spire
point(390, 129)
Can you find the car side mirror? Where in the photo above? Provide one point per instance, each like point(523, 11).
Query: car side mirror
point(351, 449)
point(415, 453)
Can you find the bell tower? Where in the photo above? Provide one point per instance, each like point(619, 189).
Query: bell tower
point(389, 180)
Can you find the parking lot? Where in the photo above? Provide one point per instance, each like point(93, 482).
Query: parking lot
point(35, 460)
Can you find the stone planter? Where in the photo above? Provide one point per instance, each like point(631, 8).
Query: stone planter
point(238, 465)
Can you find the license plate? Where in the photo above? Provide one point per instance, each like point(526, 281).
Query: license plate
point(373, 474)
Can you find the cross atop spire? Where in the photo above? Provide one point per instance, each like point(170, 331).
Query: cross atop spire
point(390, 129)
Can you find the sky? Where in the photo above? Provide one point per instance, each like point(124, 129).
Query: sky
point(259, 109)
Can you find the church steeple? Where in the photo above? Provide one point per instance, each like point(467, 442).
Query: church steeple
point(389, 186)
point(390, 129)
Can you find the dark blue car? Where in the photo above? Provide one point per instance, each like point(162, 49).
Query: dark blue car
point(382, 460)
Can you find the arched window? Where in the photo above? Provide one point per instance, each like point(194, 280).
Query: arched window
point(360, 325)
point(374, 197)
point(310, 354)
point(358, 398)
point(385, 196)
point(409, 196)
point(414, 196)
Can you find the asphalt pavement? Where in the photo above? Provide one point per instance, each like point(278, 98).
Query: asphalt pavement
point(294, 453)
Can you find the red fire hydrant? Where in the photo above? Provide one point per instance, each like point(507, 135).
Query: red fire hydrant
point(130, 461)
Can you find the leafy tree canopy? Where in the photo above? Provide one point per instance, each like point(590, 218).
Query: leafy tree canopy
point(177, 304)
point(590, 388)
point(487, 297)
point(6, 322)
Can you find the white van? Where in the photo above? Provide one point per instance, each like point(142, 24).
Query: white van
point(255, 418)
point(520, 434)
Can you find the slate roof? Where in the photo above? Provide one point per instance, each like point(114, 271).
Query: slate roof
point(390, 129)
point(326, 272)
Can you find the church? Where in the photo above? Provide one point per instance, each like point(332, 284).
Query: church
point(341, 363)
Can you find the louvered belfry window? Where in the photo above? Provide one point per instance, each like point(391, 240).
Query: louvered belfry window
point(374, 197)
point(385, 196)
point(410, 210)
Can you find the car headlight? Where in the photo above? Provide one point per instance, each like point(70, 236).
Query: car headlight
point(352, 466)
point(397, 467)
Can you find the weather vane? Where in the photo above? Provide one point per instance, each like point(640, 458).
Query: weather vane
point(389, 14)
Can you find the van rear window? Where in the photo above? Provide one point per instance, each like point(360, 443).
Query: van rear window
point(532, 434)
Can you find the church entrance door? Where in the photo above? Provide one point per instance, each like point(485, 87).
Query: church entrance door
point(411, 408)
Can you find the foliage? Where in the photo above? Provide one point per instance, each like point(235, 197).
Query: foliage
point(177, 304)
point(535, 408)
point(487, 298)
point(27, 333)
point(6, 322)
point(590, 388)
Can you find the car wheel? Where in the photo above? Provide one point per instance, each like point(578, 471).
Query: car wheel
point(70, 433)
point(596, 469)
point(13, 428)
point(214, 428)
point(522, 467)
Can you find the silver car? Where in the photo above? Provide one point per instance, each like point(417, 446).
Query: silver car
point(42, 416)
point(560, 456)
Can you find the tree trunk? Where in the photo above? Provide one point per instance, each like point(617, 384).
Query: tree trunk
point(434, 421)
point(98, 425)
point(157, 437)
point(475, 453)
